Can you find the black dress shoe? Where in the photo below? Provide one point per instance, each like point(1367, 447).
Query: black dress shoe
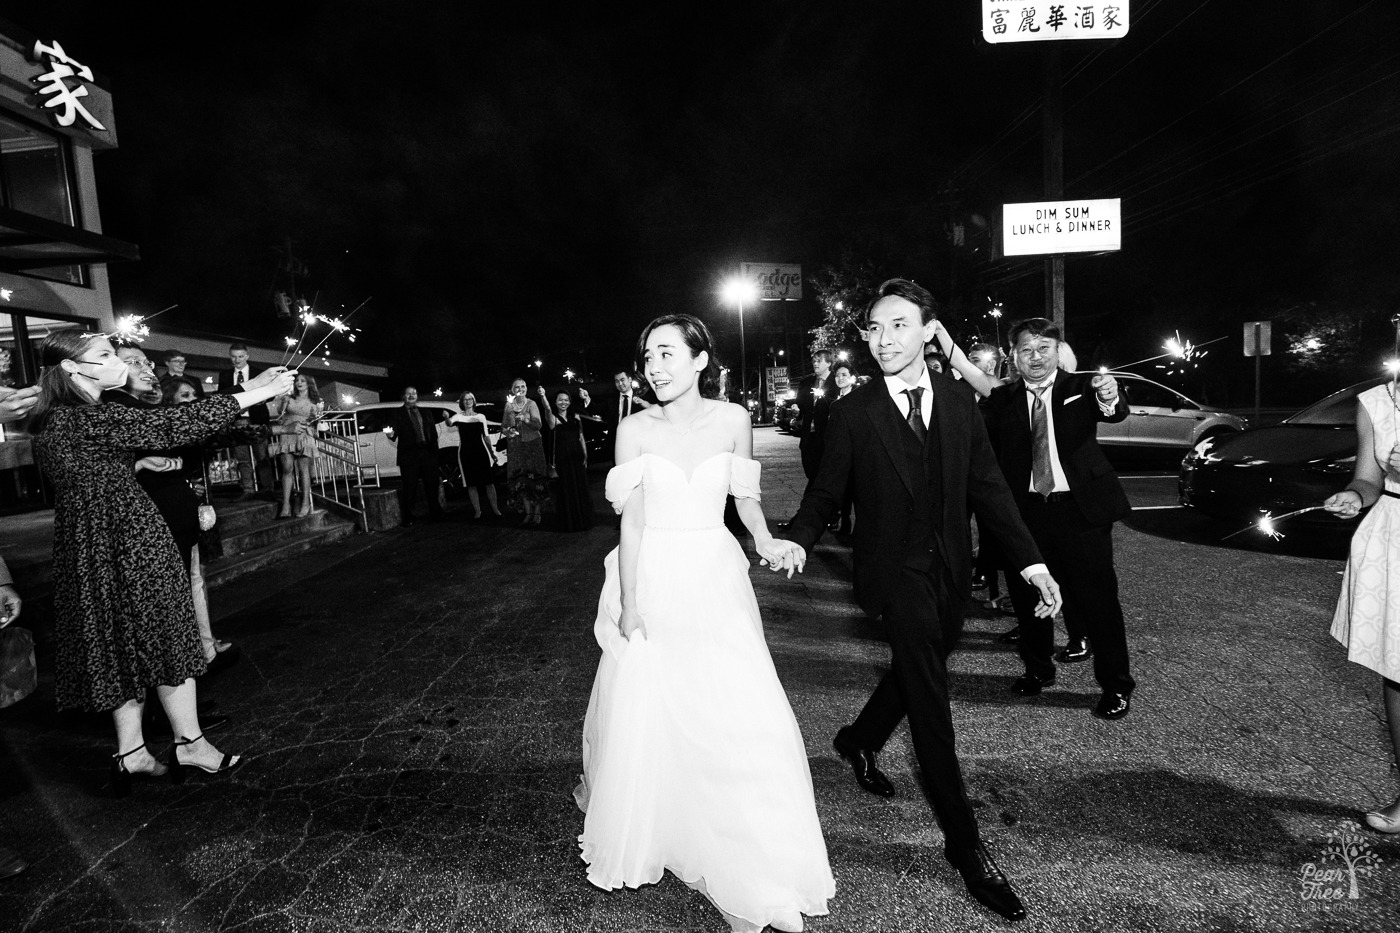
point(1011, 636)
point(985, 881)
point(1076, 650)
point(1028, 684)
point(978, 581)
point(863, 764)
point(1112, 705)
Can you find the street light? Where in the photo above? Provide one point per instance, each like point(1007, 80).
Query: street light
point(737, 291)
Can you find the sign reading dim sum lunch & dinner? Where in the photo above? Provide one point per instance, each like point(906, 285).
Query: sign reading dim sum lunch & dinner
point(1038, 21)
point(1072, 225)
point(776, 281)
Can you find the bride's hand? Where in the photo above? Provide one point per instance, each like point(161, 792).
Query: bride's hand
point(630, 622)
point(782, 555)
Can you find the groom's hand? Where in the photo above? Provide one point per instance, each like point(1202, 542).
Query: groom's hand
point(1050, 601)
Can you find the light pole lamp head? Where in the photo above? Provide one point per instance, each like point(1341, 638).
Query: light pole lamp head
point(739, 292)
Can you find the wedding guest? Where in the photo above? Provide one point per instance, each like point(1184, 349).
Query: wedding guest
point(175, 369)
point(527, 471)
point(294, 441)
point(11, 862)
point(478, 458)
point(571, 498)
point(124, 617)
point(1367, 619)
point(219, 652)
point(415, 436)
point(627, 403)
point(844, 375)
point(252, 458)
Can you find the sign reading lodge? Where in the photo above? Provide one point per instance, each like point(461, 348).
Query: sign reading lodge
point(1068, 226)
point(775, 281)
point(1034, 21)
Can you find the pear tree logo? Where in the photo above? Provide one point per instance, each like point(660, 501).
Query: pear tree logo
point(1346, 857)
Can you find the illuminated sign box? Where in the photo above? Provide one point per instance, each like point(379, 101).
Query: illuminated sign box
point(1067, 226)
point(1048, 22)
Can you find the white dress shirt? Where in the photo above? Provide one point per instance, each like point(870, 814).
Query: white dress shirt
point(1058, 471)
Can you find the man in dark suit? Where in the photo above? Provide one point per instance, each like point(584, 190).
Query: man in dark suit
point(1044, 427)
point(415, 435)
point(626, 402)
point(917, 458)
point(231, 381)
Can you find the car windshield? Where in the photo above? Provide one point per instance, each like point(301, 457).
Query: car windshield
point(1339, 408)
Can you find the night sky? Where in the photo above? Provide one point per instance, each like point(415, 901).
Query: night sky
point(506, 183)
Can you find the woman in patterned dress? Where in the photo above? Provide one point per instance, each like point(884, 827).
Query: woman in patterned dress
point(1367, 619)
point(294, 441)
point(124, 617)
point(527, 473)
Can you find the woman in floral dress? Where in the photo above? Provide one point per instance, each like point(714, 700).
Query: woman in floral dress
point(124, 617)
point(527, 472)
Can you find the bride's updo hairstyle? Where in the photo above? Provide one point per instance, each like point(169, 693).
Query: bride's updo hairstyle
point(697, 338)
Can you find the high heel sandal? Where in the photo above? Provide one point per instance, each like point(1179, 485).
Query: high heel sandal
point(121, 778)
point(1382, 823)
point(177, 767)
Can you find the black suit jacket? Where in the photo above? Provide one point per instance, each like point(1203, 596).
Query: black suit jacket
point(257, 414)
point(404, 437)
point(863, 448)
point(1092, 481)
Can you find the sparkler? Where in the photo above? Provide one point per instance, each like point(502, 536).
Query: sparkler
point(337, 326)
point(1267, 522)
point(1177, 349)
point(132, 328)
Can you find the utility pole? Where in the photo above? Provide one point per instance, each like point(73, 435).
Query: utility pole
point(1053, 114)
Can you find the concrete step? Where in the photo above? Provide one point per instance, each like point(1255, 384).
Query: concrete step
point(253, 536)
point(233, 565)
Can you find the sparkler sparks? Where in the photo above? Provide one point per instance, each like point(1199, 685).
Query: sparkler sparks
point(1268, 521)
point(131, 328)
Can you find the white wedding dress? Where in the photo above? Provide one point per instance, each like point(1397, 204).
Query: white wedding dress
point(692, 758)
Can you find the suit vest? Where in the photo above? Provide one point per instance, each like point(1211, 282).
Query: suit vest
point(925, 462)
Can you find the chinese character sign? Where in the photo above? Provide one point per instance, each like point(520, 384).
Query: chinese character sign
point(775, 280)
point(1038, 21)
point(61, 88)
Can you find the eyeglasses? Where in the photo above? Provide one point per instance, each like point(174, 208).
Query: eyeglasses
point(140, 364)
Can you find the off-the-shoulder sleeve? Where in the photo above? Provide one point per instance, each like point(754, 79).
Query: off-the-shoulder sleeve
point(743, 478)
point(622, 479)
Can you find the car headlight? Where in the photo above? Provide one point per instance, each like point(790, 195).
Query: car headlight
point(1337, 466)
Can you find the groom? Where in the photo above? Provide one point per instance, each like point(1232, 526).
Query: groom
point(917, 458)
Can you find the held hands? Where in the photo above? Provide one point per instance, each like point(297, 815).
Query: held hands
point(631, 621)
point(16, 403)
point(1050, 601)
point(1107, 387)
point(1392, 462)
point(781, 555)
point(1347, 503)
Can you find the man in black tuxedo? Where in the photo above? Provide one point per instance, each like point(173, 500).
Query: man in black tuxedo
point(814, 395)
point(917, 456)
point(625, 403)
point(1044, 427)
point(231, 381)
point(415, 436)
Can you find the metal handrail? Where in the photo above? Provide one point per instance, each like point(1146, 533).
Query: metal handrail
point(339, 473)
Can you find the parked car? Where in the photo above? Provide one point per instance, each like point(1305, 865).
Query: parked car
point(1280, 468)
point(1163, 421)
point(785, 412)
point(375, 444)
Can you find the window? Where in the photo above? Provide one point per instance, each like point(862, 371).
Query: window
point(36, 178)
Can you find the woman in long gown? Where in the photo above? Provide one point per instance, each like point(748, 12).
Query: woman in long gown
point(692, 758)
point(1367, 619)
point(571, 498)
point(123, 614)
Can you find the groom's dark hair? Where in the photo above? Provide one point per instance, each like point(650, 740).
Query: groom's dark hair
point(910, 292)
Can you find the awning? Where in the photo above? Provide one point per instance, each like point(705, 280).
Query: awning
point(29, 242)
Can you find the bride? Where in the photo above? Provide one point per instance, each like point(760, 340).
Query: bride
point(692, 759)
